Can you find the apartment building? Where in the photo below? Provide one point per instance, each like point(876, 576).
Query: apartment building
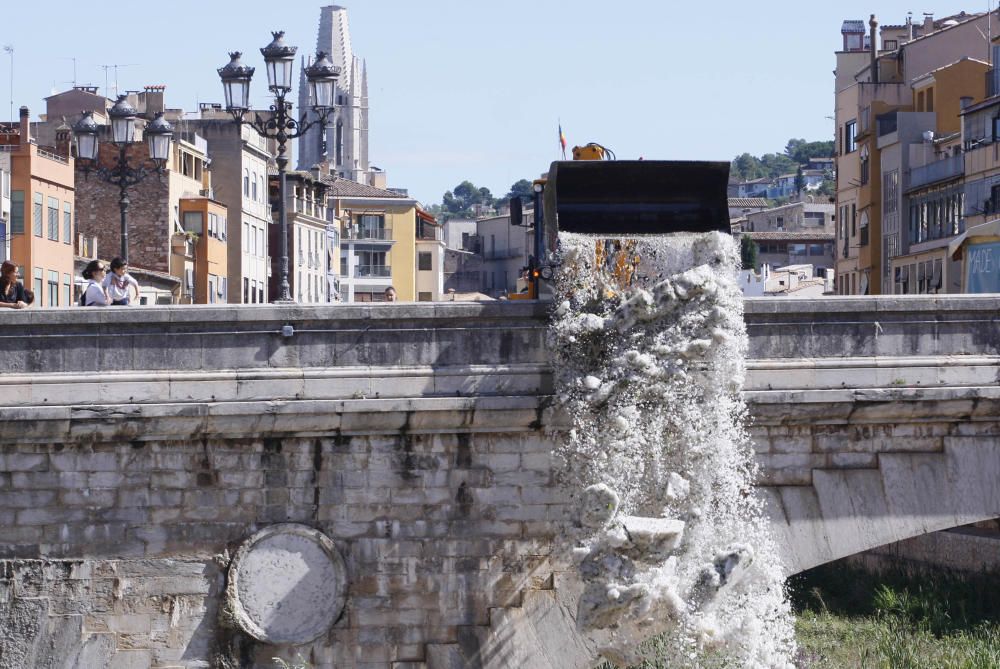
point(240, 160)
point(200, 254)
point(313, 240)
point(378, 241)
point(920, 69)
point(506, 250)
point(430, 249)
point(41, 231)
point(4, 205)
point(799, 233)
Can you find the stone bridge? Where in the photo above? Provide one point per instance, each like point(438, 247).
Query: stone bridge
point(140, 448)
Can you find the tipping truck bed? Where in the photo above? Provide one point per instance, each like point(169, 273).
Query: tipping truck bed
point(635, 197)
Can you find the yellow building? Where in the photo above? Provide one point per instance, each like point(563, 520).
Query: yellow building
point(41, 215)
point(922, 71)
point(377, 241)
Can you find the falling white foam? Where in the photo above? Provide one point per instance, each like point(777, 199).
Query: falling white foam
point(671, 541)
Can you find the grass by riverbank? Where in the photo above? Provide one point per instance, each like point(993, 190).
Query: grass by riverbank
point(849, 619)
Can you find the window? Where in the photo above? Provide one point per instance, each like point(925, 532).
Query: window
point(253, 187)
point(850, 132)
point(890, 45)
point(864, 228)
point(194, 221)
point(425, 297)
point(37, 287)
point(865, 165)
point(36, 213)
point(246, 241)
point(371, 226)
point(53, 288)
point(246, 183)
point(890, 192)
point(53, 212)
point(212, 281)
point(246, 290)
point(17, 212)
point(67, 289)
point(67, 223)
point(425, 262)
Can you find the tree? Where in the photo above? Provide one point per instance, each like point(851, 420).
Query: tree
point(776, 164)
point(522, 189)
point(801, 151)
point(800, 180)
point(748, 253)
point(747, 168)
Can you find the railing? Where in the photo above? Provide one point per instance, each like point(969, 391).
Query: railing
point(372, 271)
point(380, 234)
point(52, 156)
point(502, 254)
point(939, 170)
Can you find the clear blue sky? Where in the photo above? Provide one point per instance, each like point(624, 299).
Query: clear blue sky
point(474, 90)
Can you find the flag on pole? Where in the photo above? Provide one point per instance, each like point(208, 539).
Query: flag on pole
point(562, 141)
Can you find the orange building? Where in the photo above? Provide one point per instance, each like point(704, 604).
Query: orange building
point(200, 255)
point(41, 215)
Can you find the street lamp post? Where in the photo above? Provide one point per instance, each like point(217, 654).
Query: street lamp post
point(123, 115)
point(280, 125)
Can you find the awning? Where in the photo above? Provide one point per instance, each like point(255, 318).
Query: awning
point(988, 229)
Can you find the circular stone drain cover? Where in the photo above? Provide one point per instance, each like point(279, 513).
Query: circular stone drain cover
point(287, 584)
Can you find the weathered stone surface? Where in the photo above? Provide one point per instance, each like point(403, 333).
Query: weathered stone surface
point(286, 585)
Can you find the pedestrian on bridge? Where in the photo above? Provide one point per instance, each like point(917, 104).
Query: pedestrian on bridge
point(94, 294)
point(12, 294)
point(119, 284)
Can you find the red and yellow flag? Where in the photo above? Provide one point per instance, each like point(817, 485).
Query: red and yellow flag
point(562, 141)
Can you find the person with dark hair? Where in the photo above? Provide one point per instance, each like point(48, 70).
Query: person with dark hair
point(390, 294)
point(93, 294)
point(118, 282)
point(12, 294)
point(29, 296)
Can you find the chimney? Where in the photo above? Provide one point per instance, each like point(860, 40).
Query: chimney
point(928, 23)
point(25, 127)
point(873, 24)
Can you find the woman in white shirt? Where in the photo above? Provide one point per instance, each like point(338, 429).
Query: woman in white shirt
point(94, 294)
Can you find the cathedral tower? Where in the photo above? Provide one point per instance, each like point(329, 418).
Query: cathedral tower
point(343, 145)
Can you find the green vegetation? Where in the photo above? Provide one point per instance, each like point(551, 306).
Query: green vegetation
point(748, 253)
point(467, 200)
point(794, 159)
point(849, 619)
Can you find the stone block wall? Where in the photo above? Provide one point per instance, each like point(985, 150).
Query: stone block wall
point(116, 552)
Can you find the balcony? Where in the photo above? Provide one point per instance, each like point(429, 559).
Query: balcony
point(940, 170)
point(993, 82)
point(364, 233)
point(372, 272)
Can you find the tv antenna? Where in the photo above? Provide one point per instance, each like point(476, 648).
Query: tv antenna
point(115, 67)
point(72, 58)
point(9, 50)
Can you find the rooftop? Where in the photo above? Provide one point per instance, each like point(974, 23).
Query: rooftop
point(791, 236)
point(748, 203)
point(348, 188)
